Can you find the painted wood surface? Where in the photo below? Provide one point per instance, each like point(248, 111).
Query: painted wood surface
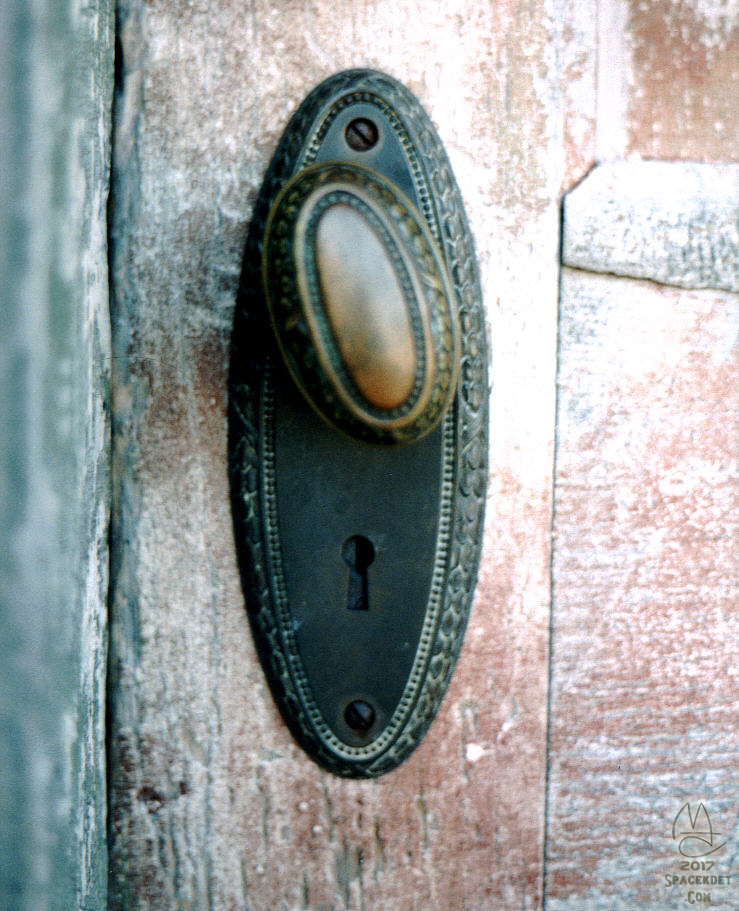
point(672, 222)
point(667, 80)
point(56, 86)
point(212, 805)
point(645, 701)
point(645, 639)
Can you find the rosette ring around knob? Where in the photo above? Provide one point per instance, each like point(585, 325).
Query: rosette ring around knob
point(361, 303)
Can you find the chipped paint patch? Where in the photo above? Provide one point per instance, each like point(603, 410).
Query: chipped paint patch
point(474, 752)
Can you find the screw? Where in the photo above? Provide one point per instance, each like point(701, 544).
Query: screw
point(361, 134)
point(359, 715)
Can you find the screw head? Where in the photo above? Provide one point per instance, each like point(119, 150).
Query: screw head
point(359, 715)
point(361, 134)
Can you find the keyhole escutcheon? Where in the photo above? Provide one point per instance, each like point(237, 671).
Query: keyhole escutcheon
point(358, 553)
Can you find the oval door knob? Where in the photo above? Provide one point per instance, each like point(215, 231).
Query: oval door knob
point(363, 309)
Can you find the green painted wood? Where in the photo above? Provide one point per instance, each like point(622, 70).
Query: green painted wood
point(56, 76)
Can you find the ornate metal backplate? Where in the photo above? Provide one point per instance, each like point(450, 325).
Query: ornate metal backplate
point(358, 560)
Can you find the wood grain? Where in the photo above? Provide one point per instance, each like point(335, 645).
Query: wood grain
point(673, 222)
point(56, 87)
point(212, 805)
point(644, 665)
point(682, 65)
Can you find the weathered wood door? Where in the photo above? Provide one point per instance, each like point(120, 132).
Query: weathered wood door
point(596, 693)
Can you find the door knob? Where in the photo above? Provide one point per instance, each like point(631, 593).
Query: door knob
point(362, 307)
point(358, 423)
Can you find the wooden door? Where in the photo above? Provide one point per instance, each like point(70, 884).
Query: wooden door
point(595, 694)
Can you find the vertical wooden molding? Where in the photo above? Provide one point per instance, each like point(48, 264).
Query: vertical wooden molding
point(56, 72)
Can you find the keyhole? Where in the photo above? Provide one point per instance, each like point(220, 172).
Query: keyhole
point(358, 553)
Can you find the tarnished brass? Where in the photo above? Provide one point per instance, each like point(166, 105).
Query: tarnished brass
point(359, 322)
point(366, 309)
point(361, 303)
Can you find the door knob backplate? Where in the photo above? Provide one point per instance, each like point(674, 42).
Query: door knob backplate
point(358, 556)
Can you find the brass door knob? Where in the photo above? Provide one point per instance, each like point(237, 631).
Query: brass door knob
point(363, 309)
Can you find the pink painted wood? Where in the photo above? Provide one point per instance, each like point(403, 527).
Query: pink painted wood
point(212, 805)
